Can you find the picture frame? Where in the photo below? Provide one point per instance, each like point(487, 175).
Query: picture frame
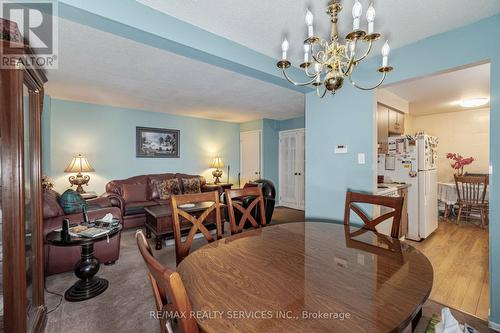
point(157, 142)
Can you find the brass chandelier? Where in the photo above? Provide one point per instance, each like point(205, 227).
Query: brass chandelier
point(332, 61)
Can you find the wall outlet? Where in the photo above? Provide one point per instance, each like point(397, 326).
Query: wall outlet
point(341, 149)
point(361, 158)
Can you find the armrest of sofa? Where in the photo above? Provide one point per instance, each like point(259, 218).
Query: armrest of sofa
point(116, 201)
point(56, 222)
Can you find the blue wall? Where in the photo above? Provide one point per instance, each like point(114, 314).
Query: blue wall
point(106, 135)
point(349, 118)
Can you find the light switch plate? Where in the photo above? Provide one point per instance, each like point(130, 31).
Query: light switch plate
point(361, 158)
point(341, 149)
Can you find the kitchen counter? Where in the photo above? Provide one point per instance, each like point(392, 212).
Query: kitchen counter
point(386, 188)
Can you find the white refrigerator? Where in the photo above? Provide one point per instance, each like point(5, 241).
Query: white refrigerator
point(413, 160)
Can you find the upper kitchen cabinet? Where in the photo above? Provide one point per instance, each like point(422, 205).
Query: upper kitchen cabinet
point(396, 122)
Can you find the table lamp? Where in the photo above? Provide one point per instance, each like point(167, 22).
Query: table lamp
point(79, 164)
point(217, 164)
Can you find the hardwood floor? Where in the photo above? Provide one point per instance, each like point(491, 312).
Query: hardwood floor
point(460, 257)
point(285, 215)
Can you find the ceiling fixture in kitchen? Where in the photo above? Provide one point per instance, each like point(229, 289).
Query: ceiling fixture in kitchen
point(474, 102)
point(328, 62)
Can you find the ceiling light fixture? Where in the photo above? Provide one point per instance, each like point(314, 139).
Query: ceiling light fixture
point(336, 60)
point(474, 102)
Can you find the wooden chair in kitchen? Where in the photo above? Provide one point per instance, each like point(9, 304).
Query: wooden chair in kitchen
point(179, 215)
point(471, 191)
point(257, 201)
point(168, 290)
point(353, 199)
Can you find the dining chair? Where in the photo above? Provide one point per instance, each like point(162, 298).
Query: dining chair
point(168, 290)
point(233, 204)
point(353, 199)
point(471, 191)
point(180, 215)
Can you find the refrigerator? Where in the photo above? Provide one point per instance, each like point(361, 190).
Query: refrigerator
point(413, 160)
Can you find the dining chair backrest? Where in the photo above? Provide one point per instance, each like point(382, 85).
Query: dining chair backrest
point(396, 203)
point(168, 290)
point(471, 190)
point(257, 202)
point(198, 223)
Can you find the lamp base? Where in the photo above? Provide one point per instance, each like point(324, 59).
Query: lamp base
point(217, 174)
point(79, 180)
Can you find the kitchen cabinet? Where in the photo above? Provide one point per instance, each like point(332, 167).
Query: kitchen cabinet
point(382, 128)
point(389, 122)
point(396, 122)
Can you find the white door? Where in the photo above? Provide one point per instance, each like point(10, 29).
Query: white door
point(292, 169)
point(250, 156)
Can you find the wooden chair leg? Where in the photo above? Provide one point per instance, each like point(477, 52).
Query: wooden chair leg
point(459, 214)
point(482, 218)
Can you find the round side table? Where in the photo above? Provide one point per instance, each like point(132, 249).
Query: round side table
point(88, 285)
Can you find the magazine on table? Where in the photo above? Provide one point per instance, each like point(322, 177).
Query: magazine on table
point(88, 231)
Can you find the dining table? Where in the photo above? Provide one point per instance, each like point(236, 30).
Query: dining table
point(448, 196)
point(307, 277)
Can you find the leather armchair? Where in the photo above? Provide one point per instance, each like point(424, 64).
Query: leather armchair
point(269, 193)
point(63, 259)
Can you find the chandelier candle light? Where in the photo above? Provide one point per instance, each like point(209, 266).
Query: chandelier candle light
point(332, 61)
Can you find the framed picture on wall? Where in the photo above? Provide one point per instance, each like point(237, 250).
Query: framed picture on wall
point(157, 142)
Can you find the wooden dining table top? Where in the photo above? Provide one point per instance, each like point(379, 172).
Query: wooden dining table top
point(306, 277)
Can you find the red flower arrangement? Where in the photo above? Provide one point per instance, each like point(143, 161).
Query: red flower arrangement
point(458, 162)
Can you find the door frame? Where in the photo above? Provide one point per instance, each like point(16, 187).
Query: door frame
point(280, 133)
point(261, 152)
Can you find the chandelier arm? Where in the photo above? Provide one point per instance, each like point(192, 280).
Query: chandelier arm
point(349, 67)
point(374, 87)
point(297, 83)
point(321, 95)
point(306, 70)
point(368, 50)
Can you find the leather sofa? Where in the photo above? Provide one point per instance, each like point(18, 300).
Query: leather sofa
point(63, 259)
point(133, 212)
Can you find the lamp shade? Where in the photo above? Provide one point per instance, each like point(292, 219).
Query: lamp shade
point(217, 163)
point(79, 164)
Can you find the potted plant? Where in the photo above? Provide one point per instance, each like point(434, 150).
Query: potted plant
point(47, 183)
point(458, 162)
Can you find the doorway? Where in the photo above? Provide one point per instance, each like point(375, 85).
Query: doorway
point(250, 156)
point(453, 107)
point(292, 169)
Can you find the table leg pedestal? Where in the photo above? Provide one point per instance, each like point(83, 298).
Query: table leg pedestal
point(88, 285)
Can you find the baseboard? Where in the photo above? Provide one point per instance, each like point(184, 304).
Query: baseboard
point(494, 326)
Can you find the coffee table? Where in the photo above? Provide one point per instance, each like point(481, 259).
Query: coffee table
point(88, 285)
point(159, 220)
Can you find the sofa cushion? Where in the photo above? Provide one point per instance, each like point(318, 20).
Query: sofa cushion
point(163, 202)
point(133, 208)
point(167, 187)
point(191, 185)
point(72, 202)
point(51, 207)
point(134, 192)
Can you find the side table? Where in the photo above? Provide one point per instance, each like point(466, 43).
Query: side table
point(88, 285)
point(89, 195)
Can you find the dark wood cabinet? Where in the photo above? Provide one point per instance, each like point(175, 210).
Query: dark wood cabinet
point(21, 102)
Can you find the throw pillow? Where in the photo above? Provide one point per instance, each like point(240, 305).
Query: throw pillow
point(168, 187)
point(134, 192)
point(191, 185)
point(72, 202)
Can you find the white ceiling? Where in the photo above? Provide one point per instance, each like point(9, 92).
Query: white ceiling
point(443, 92)
point(261, 24)
point(98, 67)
